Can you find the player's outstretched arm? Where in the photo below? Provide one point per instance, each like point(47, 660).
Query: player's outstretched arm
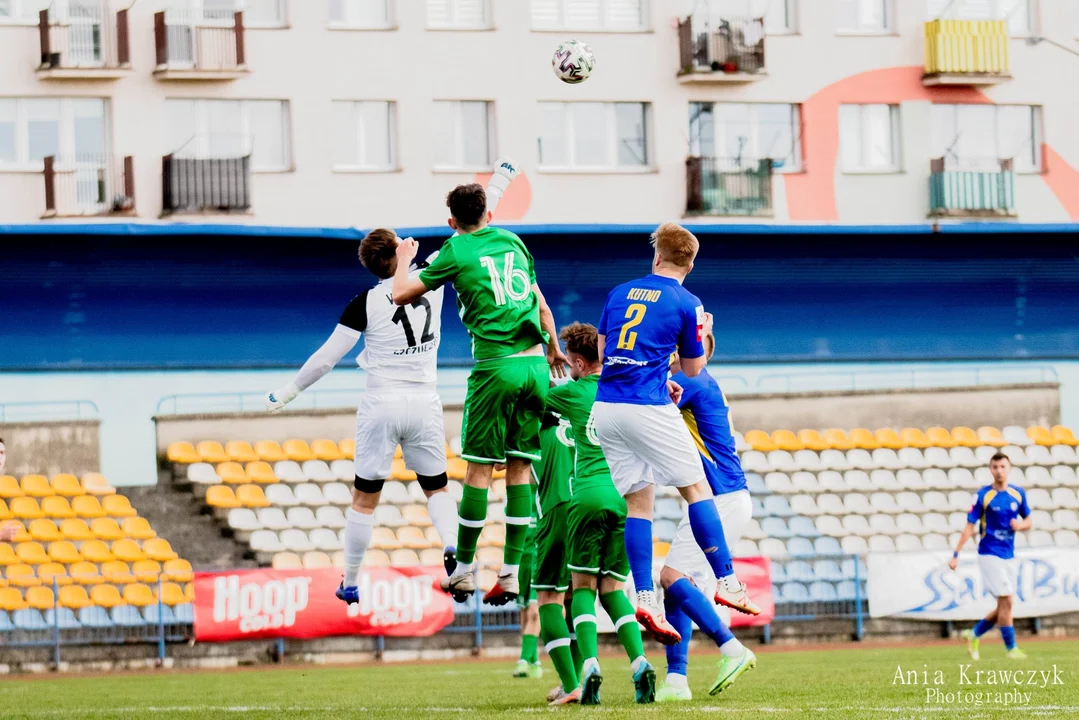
point(406, 289)
point(555, 358)
point(968, 533)
point(505, 170)
point(339, 344)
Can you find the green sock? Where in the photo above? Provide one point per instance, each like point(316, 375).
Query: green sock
point(621, 611)
point(574, 648)
point(473, 516)
point(518, 516)
point(556, 639)
point(584, 621)
point(528, 648)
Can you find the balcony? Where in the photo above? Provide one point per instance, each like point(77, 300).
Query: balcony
point(967, 187)
point(83, 42)
point(966, 52)
point(198, 46)
point(206, 185)
point(727, 50)
point(728, 186)
point(88, 185)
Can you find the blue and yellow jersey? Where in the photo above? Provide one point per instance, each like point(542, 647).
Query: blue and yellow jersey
point(643, 323)
point(992, 513)
point(708, 417)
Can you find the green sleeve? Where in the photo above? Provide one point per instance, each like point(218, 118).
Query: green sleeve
point(531, 265)
point(558, 399)
point(442, 270)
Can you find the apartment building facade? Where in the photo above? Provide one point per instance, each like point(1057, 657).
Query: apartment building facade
point(365, 112)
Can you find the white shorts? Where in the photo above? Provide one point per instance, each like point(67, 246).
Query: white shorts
point(685, 556)
point(388, 418)
point(999, 576)
point(646, 443)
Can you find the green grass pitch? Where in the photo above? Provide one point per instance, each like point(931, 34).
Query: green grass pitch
point(848, 682)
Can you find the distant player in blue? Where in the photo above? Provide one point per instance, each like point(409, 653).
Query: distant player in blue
point(687, 578)
point(638, 424)
point(999, 511)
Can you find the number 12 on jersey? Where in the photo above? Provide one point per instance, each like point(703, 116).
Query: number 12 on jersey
point(504, 285)
point(634, 316)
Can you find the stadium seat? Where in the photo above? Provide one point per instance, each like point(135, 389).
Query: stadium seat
point(1066, 538)
point(666, 509)
point(863, 439)
point(834, 460)
point(837, 440)
point(29, 619)
point(830, 481)
point(881, 524)
point(857, 525)
point(1038, 538)
point(804, 505)
point(159, 549)
point(1015, 435)
point(432, 557)
point(281, 496)
point(964, 457)
point(252, 496)
point(297, 450)
point(1040, 498)
point(127, 550)
point(301, 517)
point(830, 504)
point(778, 482)
point(1063, 436)
point(399, 471)
point(775, 527)
point(376, 558)
point(389, 516)
point(795, 592)
point(118, 506)
point(11, 599)
point(240, 451)
point(827, 546)
point(172, 594)
point(883, 502)
point(822, 592)
point(96, 551)
point(753, 530)
point(663, 530)
point(67, 485)
point(106, 529)
point(812, 440)
point(786, 440)
point(754, 461)
point(963, 478)
point(830, 525)
point(755, 484)
point(74, 597)
point(270, 451)
point(202, 474)
point(1064, 454)
point(887, 459)
point(211, 451)
point(56, 507)
point(330, 517)
point(404, 558)
point(1064, 475)
point(182, 452)
point(888, 439)
point(265, 541)
point(5, 512)
point(178, 570)
point(146, 571)
point(1037, 476)
point(857, 480)
point(316, 559)
point(940, 437)
point(159, 615)
point(232, 473)
point(1064, 497)
point(347, 447)
point(317, 471)
point(914, 438)
point(308, 494)
point(31, 553)
point(26, 508)
point(107, 596)
point(243, 522)
point(777, 505)
point(44, 531)
point(798, 570)
point(185, 613)
point(286, 561)
point(95, 617)
point(760, 441)
point(343, 470)
point(909, 502)
point(746, 549)
point(416, 495)
point(395, 493)
point(10, 488)
point(40, 598)
point(21, 575)
point(757, 505)
point(326, 450)
point(296, 541)
point(884, 480)
point(64, 551)
point(804, 482)
point(138, 528)
point(881, 543)
point(1065, 519)
point(827, 570)
point(984, 453)
point(37, 486)
point(908, 543)
point(1044, 521)
point(127, 616)
point(965, 437)
point(803, 527)
point(1040, 435)
point(1039, 455)
point(139, 595)
point(911, 479)
point(939, 457)
point(773, 548)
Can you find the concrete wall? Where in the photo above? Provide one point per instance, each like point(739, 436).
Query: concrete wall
point(71, 446)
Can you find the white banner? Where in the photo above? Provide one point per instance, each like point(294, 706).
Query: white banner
point(920, 585)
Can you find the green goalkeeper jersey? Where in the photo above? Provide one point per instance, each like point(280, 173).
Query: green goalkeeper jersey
point(553, 472)
point(573, 401)
point(493, 274)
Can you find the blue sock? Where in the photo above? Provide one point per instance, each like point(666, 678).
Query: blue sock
point(708, 532)
point(699, 609)
point(639, 550)
point(1008, 633)
point(677, 655)
point(982, 627)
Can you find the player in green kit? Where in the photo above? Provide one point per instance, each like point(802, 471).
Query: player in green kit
point(510, 324)
point(597, 522)
point(528, 666)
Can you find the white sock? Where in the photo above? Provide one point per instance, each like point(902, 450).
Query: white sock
point(509, 570)
point(731, 583)
point(589, 662)
point(676, 680)
point(443, 510)
point(636, 664)
point(732, 648)
point(358, 532)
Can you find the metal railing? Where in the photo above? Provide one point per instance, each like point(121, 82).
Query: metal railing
point(186, 40)
point(967, 47)
point(905, 379)
point(43, 411)
point(971, 186)
point(205, 184)
point(728, 186)
point(843, 595)
point(88, 185)
point(727, 45)
point(83, 38)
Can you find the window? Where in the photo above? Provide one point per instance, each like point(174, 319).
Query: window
point(593, 136)
point(231, 128)
point(865, 16)
point(458, 15)
point(869, 138)
point(739, 135)
point(257, 13)
point(70, 129)
point(364, 135)
point(365, 14)
point(463, 137)
point(614, 15)
point(779, 15)
point(1018, 13)
point(980, 135)
point(263, 13)
point(21, 12)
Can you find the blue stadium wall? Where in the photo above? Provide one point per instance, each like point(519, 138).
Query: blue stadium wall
point(185, 297)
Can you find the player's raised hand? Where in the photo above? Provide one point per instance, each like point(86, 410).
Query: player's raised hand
point(276, 400)
point(707, 326)
point(675, 391)
point(556, 360)
point(406, 251)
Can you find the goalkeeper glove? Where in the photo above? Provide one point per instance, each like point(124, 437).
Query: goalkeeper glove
point(276, 400)
point(505, 170)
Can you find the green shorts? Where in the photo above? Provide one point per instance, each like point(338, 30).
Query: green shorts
point(503, 408)
point(527, 594)
point(550, 571)
point(597, 530)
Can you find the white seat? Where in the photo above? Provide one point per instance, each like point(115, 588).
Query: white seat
point(808, 460)
point(782, 460)
point(983, 477)
point(1064, 519)
point(860, 459)
point(496, 513)
point(330, 516)
point(1064, 454)
point(963, 478)
point(909, 523)
point(857, 525)
point(984, 453)
point(831, 481)
point(309, 494)
point(456, 490)
point(1063, 497)
point(887, 458)
point(883, 502)
point(296, 540)
point(936, 478)
point(753, 530)
point(964, 457)
point(755, 461)
point(854, 545)
point(289, 471)
point(834, 460)
point(415, 492)
point(778, 482)
point(908, 543)
point(857, 503)
point(343, 470)
point(1039, 455)
point(1038, 476)
point(773, 548)
point(202, 474)
point(961, 499)
point(1015, 435)
point(857, 480)
point(884, 480)
point(266, 541)
point(390, 516)
point(1066, 538)
point(830, 525)
point(281, 495)
point(909, 502)
point(805, 482)
point(831, 504)
point(957, 521)
point(302, 517)
point(804, 505)
point(936, 501)
point(882, 524)
point(746, 548)
point(244, 520)
point(1040, 498)
point(1037, 538)
point(912, 458)
point(1017, 455)
point(1044, 521)
point(1064, 475)
point(318, 471)
point(394, 492)
point(337, 494)
point(1017, 476)
point(935, 541)
point(326, 540)
point(938, 457)
point(740, 444)
point(881, 543)
point(273, 518)
point(935, 522)
point(911, 480)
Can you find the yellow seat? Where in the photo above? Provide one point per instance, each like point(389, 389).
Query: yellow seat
point(416, 515)
point(449, 452)
point(85, 573)
point(189, 592)
point(864, 439)
point(398, 453)
point(31, 553)
point(988, 435)
point(117, 573)
point(26, 508)
point(913, 437)
point(347, 448)
point(812, 440)
point(787, 440)
point(298, 450)
point(50, 572)
point(40, 598)
point(660, 549)
point(232, 473)
point(172, 594)
point(888, 438)
point(107, 596)
point(240, 451)
point(965, 437)
point(64, 551)
point(10, 488)
point(57, 507)
point(182, 452)
point(431, 557)
point(146, 571)
point(106, 529)
point(11, 599)
point(127, 550)
point(251, 496)
point(455, 468)
point(384, 539)
point(5, 512)
point(96, 551)
point(21, 575)
point(316, 560)
point(270, 451)
point(760, 440)
point(261, 472)
point(939, 437)
point(222, 496)
point(96, 484)
point(37, 486)
point(1063, 436)
point(76, 529)
point(87, 506)
point(179, 570)
point(74, 597)
point(1040, 435)
point(44, 531)
point(67, 485)
point(286, 561)
point(118, 506)
point(210, 451)
point(398, 471)
point(138, 528)
point(837, 439)
point(327, 450)
point(159, 549)
point(433, 538)
point(413, 537)
point(376, 558)
point(7, 555)
point(139, 595)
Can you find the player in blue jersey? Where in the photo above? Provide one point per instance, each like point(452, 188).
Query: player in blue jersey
point(999, 511)
point(687, 578)
point(639, 427)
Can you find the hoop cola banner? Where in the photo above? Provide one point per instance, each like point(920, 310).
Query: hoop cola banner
point(265, 603)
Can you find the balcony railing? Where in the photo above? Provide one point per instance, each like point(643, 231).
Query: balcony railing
point(88, 185)
point(971, 187)
point(83, 42)
point(206, 184)
point(727, 186)
point(192, 46)
point(721, 50)
point(966, 52)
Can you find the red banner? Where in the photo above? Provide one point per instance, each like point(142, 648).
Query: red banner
point(756, 573)
point(265, 603)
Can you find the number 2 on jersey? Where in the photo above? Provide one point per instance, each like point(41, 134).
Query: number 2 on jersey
point(634, 316)
point(401, 318)
point(503, 285)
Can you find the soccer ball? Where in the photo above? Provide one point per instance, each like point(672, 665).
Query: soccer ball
point(573, 62)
